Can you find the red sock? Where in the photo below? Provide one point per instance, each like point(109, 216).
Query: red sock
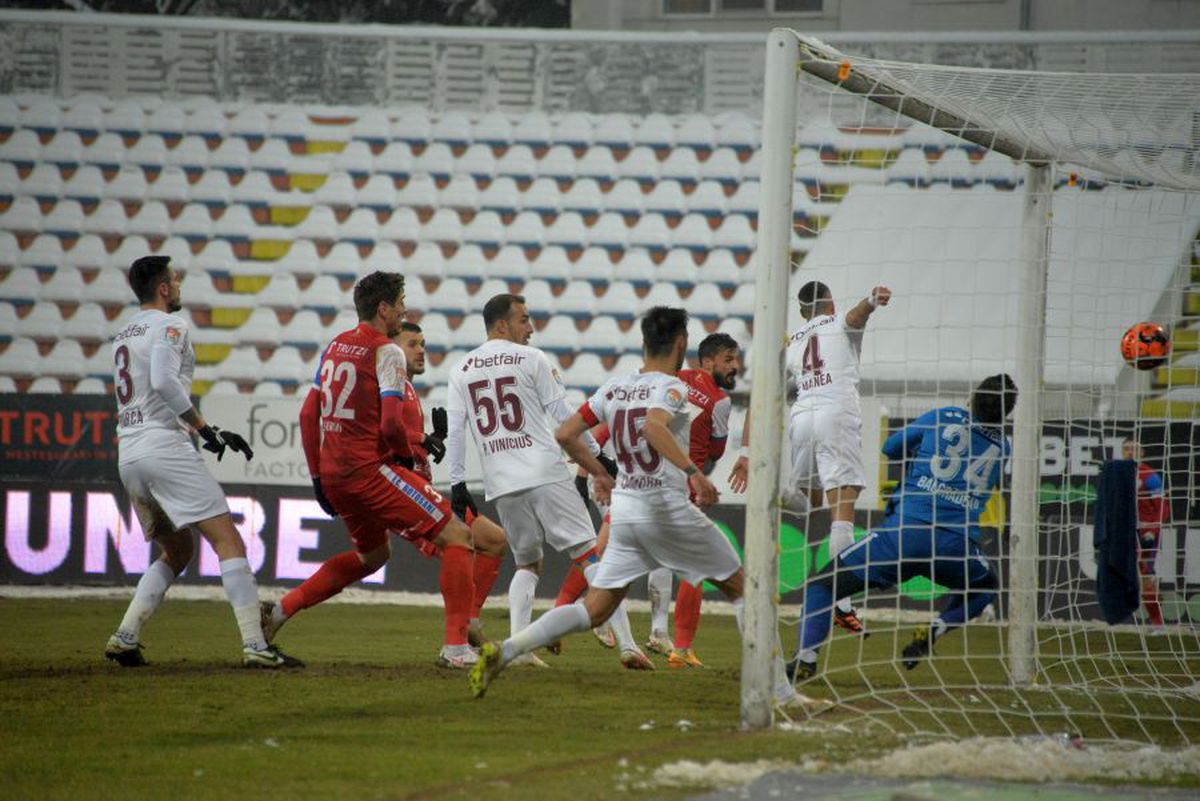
point(1150, 601)
point(486, 568)
point(336, 574)
point(458, 590)
point(573, 586)
point(687, 614)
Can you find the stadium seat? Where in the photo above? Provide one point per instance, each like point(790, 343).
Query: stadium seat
point(444, 227)
point(619, 301)
point(65, 360)
point(573, 130)
point(488, 289)
point(593, 266)
point(65, 220)
point(910, 168)
point(466, 263)
point(241, 366)
point(539, 299)
point(372, 128)
point(553, 266)
point(378, 194)
point(636, 267)
point(208, 121)
point(22, 148)
point(282, 292)
point(256, 191)
point(708, 199)
point(651, 232)
point(420, 192)
point(697, 132)
point(275, 389)
point(44, 182)
point(167, 120)
point(509, 263)
point(609, 231)
point(453, 128)
point(337, 190)
point(666, 198)
point(45, 385)
point(191, 154)
point(171, 185)
point(10, 182)
point(679, 269)
point(559, 336)
point(437, 333)
point(696, 334)
point(526, 230)
point(324, 295)
point(320, 225)
point(470, 334)
point(361, 228)
point(954, 168)
point(436, 161)
point(88, 253)
point(682, 165)
point(478, 162)
point(451, 298)
point(288, 367)
point(661, 294)
point(517, 163)
point(998, 170)
point(236, 225)
point(343, 259)
point(128, 185)
point(42, 115)
point(501, 196)
point(44, 253)
point(742, 303)
point(723, 166)
point(8, 321)
point(396, 160)
point(641, 164)
point(149, 153)
point(301, 259)
point(107, 151)
point(603, 337)
point(568, 231)
point(614, 131)
point(24, 216)
point(384, 256)
point(597, 163)
point(8, 250)
point(736, 327)
point(411, 126)
point(533, 129)
point(7, 385)
point(738, 132)
point(577, 301)
point(43, 322)
point(736, 234)
point(126, 118)
point(493, 129)
point(213, 189)
point(585, 197)
point(90, 386)
point(587, 373)
point(345, 320)
point(721, 269)
point(558, 164)
point(250, 124)
point(222, 388)
point(402, 226)
point(706, 302)
point(746, 199)
point(109, 288)
point(20, 359)
point(542, 197)
point(193, 223)
point(355, 160)
point(460, 193)
point(261, 329)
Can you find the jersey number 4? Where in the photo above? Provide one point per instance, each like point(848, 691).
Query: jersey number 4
point(631, 446)
point(811, 361)
point(496, 404)
point(330, 374)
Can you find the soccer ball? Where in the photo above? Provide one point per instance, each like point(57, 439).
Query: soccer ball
point(1145, 346)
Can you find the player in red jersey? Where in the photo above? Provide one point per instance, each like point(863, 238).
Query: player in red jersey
point(352, 429)
point(709, 405)
point(1152, 512)
point(487, 537)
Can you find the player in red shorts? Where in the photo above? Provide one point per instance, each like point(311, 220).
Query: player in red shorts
point(487, 537)
point(352, 429)
point(1152, 512)
point(709, 404)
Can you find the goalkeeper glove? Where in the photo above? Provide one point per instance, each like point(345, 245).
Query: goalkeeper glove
point(216, 441)
point(461, 500)
point(319, 494)
point(609, 464)
point(582, 487)
point(435, 441)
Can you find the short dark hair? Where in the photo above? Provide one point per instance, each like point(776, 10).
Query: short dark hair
point(993, 400)
point(812, 295)
point(412, 328)
point(713, 344)
point(660, 327)
point(145, 274)
point(371, 290)
point(498, 308)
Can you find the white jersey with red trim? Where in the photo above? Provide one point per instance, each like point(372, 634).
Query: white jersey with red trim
point(501, 393)
point(822, 357)
point(648, 486)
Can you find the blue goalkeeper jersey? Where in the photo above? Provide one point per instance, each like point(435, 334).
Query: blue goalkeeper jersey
point(952, 464)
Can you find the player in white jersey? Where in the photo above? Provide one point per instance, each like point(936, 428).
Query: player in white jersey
point(510, 398)
point(825, 422)
point(654, 524)
point(169, 487)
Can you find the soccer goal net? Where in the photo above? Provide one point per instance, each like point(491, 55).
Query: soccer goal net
point(1023, 222)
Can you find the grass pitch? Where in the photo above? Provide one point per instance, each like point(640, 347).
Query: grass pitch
point(371, 717)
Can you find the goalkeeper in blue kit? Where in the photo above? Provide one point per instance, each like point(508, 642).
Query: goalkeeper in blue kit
point(954, 459)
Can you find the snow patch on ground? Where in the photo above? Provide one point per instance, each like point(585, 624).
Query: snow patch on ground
point(1034, 759)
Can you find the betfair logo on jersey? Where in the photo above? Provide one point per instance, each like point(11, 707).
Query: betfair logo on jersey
point(634, 393)
point(495, 360)
point(134, 330)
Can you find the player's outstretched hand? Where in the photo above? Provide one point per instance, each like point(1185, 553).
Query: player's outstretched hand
point(319, 494)
point(441, 425)
point(702, 489)
point(435, 447)
point(881, 296)
point(739, 476)
point(461, 500)
point(602, 487)
point(216, 441)
point(609, 463)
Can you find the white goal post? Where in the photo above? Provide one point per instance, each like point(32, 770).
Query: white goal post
point(970, 112)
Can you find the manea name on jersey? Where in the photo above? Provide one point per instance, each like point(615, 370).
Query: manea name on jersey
point(822, 356)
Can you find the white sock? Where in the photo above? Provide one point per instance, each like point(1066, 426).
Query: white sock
point(841, 537)
point(550, 627)
point(150, 590)
point(939, 627)
point(242, 592)
point(658, 585)
point(620, 618)
point(520, 599)
point(783, 688)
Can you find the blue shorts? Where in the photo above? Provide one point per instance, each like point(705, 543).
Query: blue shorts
point(896, 552)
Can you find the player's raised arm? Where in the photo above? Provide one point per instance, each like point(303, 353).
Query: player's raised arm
point(907, 439)
point(858, 316)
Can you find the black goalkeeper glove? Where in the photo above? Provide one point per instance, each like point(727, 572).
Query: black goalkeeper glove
point(609, 464)
point(461, 500)
point(435, 447)
point(441, 426)
point(582, 487)
point(216, 441)
point(319, 494)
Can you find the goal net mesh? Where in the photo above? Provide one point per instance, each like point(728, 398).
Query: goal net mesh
point(935, 214)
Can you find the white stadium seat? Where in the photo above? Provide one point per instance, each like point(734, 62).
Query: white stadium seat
point(553, 266)
point(443, 227)
point(85, 117)
point(378, 193)
point(343, 259)
point(20, 358)
point(501, 196)
point(525, 230)
point(517, 163)
point(90, 386)
point(42, 115)
point(466, 263)
point(666, 198)
point(396, 160)
point(411, 125)
point(493, 129)
point(542, 196)
point(584, 197)
point(509, 263)
point(419, 192)
point(64, 220)
point(609, 231)
point(360, 228)
point(559, 164)
point(659, 295)
point(696, 132)
point(436, 161)
point(453, 128)
point(193, 223)
point(43, 322)
point(261, 328)
point(372, 127)
point(614, 131)
point(288, 367)
point(44, 253)
point(594, 265)
point(534, 129)
point(539, 299)
point(650, 232)
point(706, 302)
point(65, 360)
point(567, 231)
point(110, 287)
point(355, 159)
point(337, 190)
point(708, 198)
point(460, 193)
point(236, 224)
point(678, 268)
point(478, 162)
point(641, 164)
point(24, 215)
point(573, 130)
point(682, 165)
point(21, 148)
point(637, 267)
point(723, 165)
point(559, 335)
point(736, 234)
point(43, 182)
point(191, 154)
point(324, 294)
point(402, 226)
point(88, 253)
point(598, 163)
point(451, 298)
point(587, 372)
point(171, 185)
point(578, 300)
point(45, 385)
point(207, 119)
point(65, 286)
point(619, 301)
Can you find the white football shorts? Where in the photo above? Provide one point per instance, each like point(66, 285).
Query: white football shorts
point(690, 546)
point(826, 447)
point(175, 483)
point(553, 513)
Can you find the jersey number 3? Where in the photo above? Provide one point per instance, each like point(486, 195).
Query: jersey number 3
point(331, 373)
point(945, 466)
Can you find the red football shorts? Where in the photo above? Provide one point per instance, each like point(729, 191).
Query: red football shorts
point(391, 498)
